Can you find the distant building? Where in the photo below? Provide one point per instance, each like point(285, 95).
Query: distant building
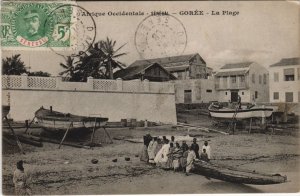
point(195, 91)
point(152, 72)
point(247, 79)
point(284, 81)
point(183, 67)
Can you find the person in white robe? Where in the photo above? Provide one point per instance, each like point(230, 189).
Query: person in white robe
point(162, 156)
point(190, 160)
point(152, 150)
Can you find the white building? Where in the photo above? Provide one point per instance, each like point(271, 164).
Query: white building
point(247, 79)
point(284, 81)
point(195, 91)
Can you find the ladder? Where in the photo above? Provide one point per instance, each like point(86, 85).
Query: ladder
point(232, 124)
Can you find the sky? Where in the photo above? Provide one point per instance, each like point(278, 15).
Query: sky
point(263, 32)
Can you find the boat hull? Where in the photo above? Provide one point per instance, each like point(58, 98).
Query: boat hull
point(52, 120)
point(236, 176)
point(243, 113)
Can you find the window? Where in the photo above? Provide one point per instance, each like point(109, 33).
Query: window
point(242, 78)
point(253, 78)
point(208, 90)
point(265, 79)
point(225, 93)
point(276, 95)
point(289, 97)
point(289, 74)
point(259, 79)
point(256, 94)
point(233, 79)
point(276, 77)
point(242, 93)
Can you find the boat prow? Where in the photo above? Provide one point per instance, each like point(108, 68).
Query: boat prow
point(235, 175)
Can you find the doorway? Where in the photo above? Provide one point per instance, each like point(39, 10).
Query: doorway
point(187, 96)
point(234, 96)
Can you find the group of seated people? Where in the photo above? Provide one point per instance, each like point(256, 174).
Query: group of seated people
point(169, 154)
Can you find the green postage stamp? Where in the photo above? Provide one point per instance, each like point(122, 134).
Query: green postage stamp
point(36, 25)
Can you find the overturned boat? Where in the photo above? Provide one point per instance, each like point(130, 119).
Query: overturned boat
point(236, 175)
point(56, 121)
point(244, 112)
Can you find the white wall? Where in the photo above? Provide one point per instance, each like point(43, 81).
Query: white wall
point(262, 89)
point(284, 86)
point(198, 87)
point(145, 100)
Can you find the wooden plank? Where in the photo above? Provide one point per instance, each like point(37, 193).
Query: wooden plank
point(15, 136)
point(65, 135)
point(111, 141)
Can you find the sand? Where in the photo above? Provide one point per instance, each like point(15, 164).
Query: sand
point(69, 170)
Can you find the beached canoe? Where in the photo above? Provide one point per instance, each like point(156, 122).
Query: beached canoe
point(5, 110)
point(53, 120)
point(243, 113)
point(236, 175)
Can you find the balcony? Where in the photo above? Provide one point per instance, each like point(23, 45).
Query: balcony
point(232, 86)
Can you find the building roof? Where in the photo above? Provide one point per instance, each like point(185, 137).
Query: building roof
point(130, 72)
point(177, 68)
point(168, 61)
point(232, 73)
point(287, 61)
point(237, 65)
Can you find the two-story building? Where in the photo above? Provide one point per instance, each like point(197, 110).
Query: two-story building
point(192, 78)
point(183, 67)
point(285, 81)
point(249, 80)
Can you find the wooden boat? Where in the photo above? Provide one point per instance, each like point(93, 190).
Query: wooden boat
point(5, 110)
point(53, 120)
point(244, 112)
point(235, 175)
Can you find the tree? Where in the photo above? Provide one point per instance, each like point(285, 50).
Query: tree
point(39, 73)
point(70, 68)
point(108, 47)
point(13, 65)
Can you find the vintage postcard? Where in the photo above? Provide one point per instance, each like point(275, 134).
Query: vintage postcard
point(142, 97)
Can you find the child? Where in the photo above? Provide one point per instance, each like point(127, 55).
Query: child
point(204, 156)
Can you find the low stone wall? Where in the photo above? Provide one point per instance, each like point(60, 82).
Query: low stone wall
point(115, 99)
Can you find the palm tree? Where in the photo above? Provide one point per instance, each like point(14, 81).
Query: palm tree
point(70, 68)
point(13, 65)
point(108, 47)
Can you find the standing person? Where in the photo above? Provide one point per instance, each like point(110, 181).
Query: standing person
point(144, 153)
point(177, 155)
point(151, 149)
point(169, 164)
point(183, 160)
point(20, 180)
point(161, 158)
point(190, 160)
point(239, 102)
point(158, 146)
point(195, 147)
point(173, 140)
point(184, 146)
point(207, 149)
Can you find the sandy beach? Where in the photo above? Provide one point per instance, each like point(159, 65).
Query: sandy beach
point(69, 170)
